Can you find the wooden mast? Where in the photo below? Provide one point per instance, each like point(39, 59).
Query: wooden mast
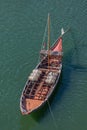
point(48, 40)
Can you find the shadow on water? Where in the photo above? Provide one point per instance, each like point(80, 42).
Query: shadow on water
point(77, 43)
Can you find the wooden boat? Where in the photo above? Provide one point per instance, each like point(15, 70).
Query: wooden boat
point(43, 79)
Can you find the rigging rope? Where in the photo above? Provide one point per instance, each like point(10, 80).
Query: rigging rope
point(44, 35)
point(43, 40)
point(52, 115)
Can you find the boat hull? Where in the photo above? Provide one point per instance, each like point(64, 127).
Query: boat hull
point(36, 96)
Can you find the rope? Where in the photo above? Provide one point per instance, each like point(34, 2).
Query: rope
point(52, 115)
point(44, 35)
point(43, 41)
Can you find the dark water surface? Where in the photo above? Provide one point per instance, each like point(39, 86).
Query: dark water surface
point(22, 24)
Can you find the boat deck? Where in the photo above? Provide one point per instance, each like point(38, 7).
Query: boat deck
point(36, 92)
point(31, 104)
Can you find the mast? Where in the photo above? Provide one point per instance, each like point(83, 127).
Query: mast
point(48, 40)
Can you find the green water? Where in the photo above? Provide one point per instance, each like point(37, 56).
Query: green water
point(22, 24)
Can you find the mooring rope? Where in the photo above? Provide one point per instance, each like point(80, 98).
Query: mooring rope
point(52, 115)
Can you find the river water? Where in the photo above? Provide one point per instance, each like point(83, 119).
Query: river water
point(22, 24)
